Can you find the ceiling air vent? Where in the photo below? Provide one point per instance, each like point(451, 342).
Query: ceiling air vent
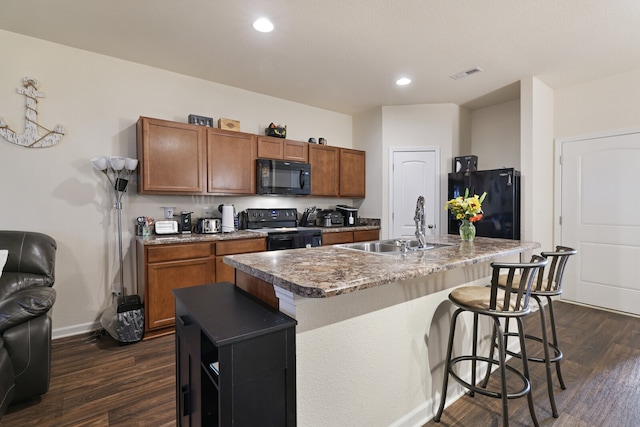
point(466, 73)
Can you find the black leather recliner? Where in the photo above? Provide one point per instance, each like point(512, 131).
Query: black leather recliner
point(26, 296)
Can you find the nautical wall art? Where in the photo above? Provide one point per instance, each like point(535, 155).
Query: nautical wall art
point(35, 135)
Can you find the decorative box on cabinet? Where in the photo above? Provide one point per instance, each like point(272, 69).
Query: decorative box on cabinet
point(235, 359)
point(171, 157)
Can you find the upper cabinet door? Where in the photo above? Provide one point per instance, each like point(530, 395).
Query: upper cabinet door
point(231, 162)
point(295, 151)
point(352, 173)
point(270, 148)
point(171, 156)
point(282, 149)
point(324, 170)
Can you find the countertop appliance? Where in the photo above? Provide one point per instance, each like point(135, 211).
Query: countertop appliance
point(209, 226)
point(167, 226)
point(228, 218)
point(281, 226)
point(329, 218)
point(501, 207)
point(185, 222)
point(350, 215)
point(282, 177)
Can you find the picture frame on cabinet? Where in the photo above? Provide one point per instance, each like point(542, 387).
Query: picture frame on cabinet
point(201, 120)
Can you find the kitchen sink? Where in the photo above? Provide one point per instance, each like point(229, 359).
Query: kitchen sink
point(391, 246)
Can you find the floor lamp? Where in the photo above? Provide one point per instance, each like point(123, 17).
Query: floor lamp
point(124, 320)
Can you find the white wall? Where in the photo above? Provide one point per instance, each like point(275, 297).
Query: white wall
point(536, 160)
point(424, 125)
point(98, 99)
point(367, 135)
point(495, 135)
point(609, 103)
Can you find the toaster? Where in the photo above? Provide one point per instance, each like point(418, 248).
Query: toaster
point(209, 225)
point(166, 227)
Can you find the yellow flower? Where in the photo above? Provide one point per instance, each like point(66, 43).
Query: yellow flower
point(465, 207)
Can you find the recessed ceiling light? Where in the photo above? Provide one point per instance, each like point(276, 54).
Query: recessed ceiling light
point(263, 25)
point(403, 81)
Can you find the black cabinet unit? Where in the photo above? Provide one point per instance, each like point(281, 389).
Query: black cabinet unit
point(235, 359)
point(501, 206)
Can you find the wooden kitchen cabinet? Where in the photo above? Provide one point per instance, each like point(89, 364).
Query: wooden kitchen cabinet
point(162, 268)
point(226, 273)
point(171, 157)
point(336, 238)
point(341, 237)
point(231, 162)
point(282, 149)
point(352, 174)
point(325, 171)
point(366, 235)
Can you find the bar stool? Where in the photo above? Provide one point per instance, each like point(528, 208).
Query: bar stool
point(495, 302)
point(548, 284)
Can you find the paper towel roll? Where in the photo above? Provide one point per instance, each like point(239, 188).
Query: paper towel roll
point(227, 219)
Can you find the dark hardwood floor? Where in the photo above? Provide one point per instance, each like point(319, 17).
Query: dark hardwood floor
point(601, 369)
point(103, 383)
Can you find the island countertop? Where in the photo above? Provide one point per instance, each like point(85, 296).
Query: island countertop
point(328, 271)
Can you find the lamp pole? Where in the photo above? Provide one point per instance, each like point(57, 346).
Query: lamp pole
point(118, 170)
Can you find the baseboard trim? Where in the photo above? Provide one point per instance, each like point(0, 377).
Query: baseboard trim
point(69, 331)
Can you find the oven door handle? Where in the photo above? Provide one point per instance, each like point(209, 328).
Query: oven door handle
point(281, 238)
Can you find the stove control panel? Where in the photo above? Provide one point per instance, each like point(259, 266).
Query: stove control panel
point(257, 218)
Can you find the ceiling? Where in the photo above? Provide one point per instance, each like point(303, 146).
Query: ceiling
point(345, 55)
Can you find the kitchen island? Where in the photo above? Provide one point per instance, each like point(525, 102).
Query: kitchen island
point(372, 328)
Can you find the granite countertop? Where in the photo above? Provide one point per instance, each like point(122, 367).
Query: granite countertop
point(196, 238)
point(328, 271)
point(235, 235)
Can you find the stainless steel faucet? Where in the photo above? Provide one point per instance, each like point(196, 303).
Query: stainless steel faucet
point(421, 229)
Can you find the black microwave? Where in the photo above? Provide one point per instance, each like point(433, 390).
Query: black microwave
point(283, 177)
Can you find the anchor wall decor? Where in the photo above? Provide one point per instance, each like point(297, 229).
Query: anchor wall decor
point(31, 137)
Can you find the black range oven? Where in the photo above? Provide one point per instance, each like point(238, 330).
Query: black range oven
point(281, 226)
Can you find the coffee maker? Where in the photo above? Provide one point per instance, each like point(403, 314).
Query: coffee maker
point(350, 215)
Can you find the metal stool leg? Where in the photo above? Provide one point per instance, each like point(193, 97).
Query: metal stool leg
point(503, 373)
point(474, 352)
point(547, 357)
point(554, 335)
point(525, 369)
point(445, 380)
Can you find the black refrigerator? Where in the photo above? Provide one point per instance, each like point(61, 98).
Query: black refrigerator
point(501, 207)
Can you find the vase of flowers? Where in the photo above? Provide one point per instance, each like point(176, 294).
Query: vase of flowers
point(468, 210)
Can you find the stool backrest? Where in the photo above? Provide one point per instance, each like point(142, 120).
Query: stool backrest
point(550, 277)
point(516, 296)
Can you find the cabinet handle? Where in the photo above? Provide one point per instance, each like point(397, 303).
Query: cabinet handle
point(184, 320)
point(184, 398)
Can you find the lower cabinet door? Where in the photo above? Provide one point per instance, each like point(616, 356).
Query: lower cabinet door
point(165, 276)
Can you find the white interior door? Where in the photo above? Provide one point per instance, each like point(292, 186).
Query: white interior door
point(415, 172)
point(600, 211)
